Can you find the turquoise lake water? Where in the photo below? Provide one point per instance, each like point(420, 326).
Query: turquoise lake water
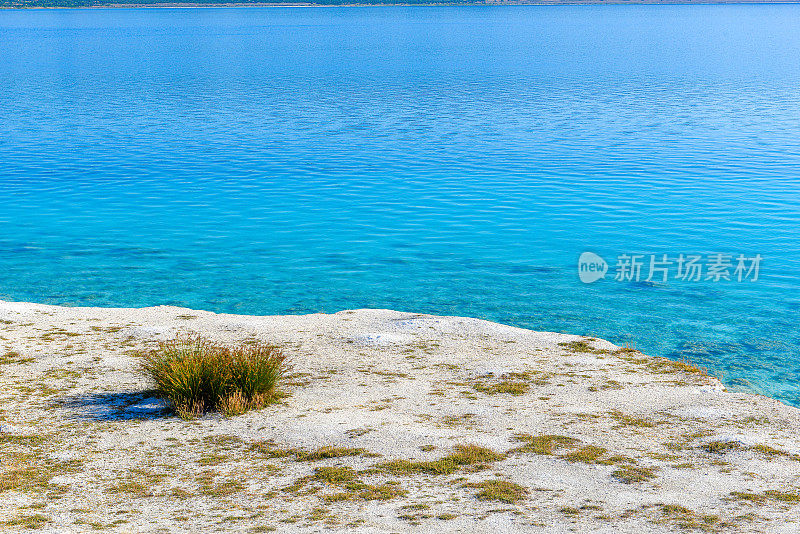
point(443, 160)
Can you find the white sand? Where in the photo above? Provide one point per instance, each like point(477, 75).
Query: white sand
point(101, 453)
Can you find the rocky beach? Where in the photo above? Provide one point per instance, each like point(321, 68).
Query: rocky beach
point(390, 422)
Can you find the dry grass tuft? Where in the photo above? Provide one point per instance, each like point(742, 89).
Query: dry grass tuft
point(198, 375)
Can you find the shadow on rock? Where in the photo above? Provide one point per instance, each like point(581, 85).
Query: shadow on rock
point(117, 406)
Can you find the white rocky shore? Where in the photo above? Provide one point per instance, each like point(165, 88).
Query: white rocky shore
point(395, 422)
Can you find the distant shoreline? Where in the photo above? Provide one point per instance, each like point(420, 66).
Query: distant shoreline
point(201, 5)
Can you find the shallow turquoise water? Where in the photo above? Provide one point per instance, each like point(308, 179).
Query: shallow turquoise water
point(443, 160)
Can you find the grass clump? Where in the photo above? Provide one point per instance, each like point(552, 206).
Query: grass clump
point(500, 490)
point(197, 375)
point(464, 455)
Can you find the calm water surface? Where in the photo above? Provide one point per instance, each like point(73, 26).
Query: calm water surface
point(443, 160)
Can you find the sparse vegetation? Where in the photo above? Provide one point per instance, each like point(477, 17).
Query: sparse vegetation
point(769, 451)
point(198, 375)
point(269, 449)
point(512, 387)
point(688, 519)
point(32, 522)
point(546, 444)
point(334, 475)
point(375, 492)
point(633, 473)
point(13, 357)
point(629, 420)
point(774, 495)
point(131, 487)
point(500, 490)
point(331, 452)
point(578, 346)
point(514, 383)
point(663, 365)
point(721, 447)
point(464, 455)
point(251, 473)
point(210, 487)
point(351, 488)
point(30, 471)
point(589, 454)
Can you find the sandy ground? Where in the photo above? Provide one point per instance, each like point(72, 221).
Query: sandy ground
point(562, 433)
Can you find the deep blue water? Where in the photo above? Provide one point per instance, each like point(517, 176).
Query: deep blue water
point(443, 160)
